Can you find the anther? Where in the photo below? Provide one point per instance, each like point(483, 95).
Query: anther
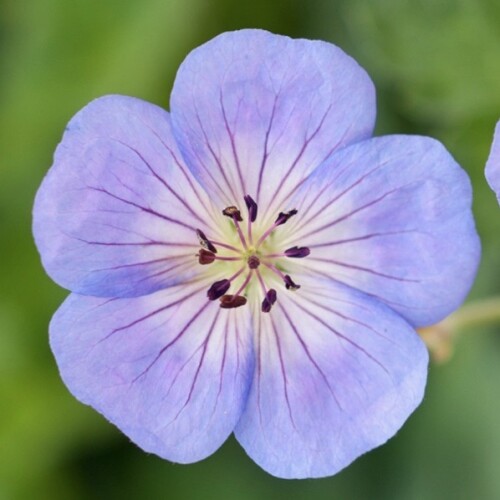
point(269, 300)
point(205, 257)
point(204, 242)
point(297, 252)
point(253, 262)
point(232, 301)
point(284, 216)
point(289, 284)
point(218, 289)
point(252, 207)
point(233, 213)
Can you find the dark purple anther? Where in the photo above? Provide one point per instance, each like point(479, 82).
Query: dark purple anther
point(252, 207)
point(253, 262)
point(289, 284)
point(232, 212)
point(269, 300)
point(232, 301)
point(218, 289)
point(284, 216)
point(204, 241)
point(205, 257)
point(297, 252)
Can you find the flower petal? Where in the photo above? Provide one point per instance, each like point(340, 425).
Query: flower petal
point(337, 374)
point(117, 212)
point(493, 163)
point(254, 112)
point(392, 217)
point(171, 369)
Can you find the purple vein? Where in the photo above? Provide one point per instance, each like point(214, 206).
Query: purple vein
point(232, 140)
point(341, 336)
point(163, 182)
point(266, 144)
point(350, 214)
point(364, 269)
point(215, 158)
point(141, 208)
point(187, 175)
point(309, 356)
point(362, 238)
point(301, 152)
point(165, 271)
point(334, 200)
point(151, 314)
point(371, 294)
point(165, 348)
point(200, 364)
point(143, 263)
point(283, 372)
point(348, 318)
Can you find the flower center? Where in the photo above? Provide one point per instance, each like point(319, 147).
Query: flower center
point(259, 259)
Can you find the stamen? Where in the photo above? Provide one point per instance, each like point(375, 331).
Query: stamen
point(224, 245)
point(205, 257)
point(218, 289)
point(233, 213)
point(240, 233)
point(269, 296)
point(284, 216)
point(269, 300)
point(232, 301)
point(289, 284)
point(297, 252)
point(252, 215)
point(235, 300)
point(252, 207)
point(253, 262)
point(204, 241)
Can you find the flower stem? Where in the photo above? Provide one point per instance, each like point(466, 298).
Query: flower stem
point(439, 337)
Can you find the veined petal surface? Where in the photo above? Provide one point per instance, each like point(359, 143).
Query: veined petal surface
point(254, 112)
point(337, 374)
point(117, 212)
point(493, 163)
point(391, 217)
point(170, 369)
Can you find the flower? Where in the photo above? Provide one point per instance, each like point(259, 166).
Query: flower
point(253, 262)
point(493, 163)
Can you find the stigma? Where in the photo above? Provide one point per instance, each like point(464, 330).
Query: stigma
point(251, 262)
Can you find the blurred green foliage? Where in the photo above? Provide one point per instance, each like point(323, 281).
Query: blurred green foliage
point(436, 65)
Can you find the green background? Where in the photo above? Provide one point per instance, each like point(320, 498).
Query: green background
point(436, 66)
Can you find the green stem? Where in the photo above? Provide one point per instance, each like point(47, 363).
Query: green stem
point(482, 312)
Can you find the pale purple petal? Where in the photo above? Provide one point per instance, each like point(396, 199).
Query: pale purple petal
point(254, 112)
point(117, 212)
point(337, 374)
point(493, 163)
point(171, 369)
point(391, 217)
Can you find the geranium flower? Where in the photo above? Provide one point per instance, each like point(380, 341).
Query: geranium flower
point(493, 163)
point(253, 261)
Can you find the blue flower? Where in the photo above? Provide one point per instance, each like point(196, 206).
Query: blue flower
point(253, 261)
point(493, 164)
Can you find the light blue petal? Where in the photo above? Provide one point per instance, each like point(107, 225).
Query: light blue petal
point(391, 216)
point(171, 369)
point(493, 163)
point(117, 212)
point(254, 113)
point(337, 374)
